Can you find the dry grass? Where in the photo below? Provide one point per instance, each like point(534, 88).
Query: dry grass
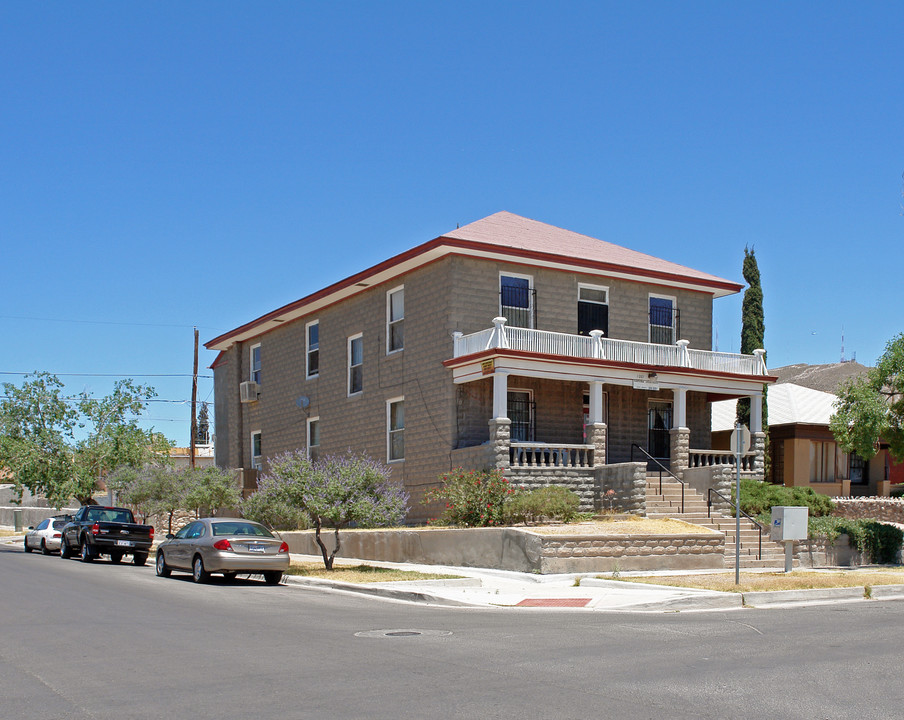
point(361, 573)
point(620, 526)
point(5, 532)
point(796, 580)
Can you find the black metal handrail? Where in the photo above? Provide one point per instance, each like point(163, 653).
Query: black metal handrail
point(709, 504)
point(662, 468)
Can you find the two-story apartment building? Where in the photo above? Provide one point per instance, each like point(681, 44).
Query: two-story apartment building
point(504, 343)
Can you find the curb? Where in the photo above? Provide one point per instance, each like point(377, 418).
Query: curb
point(391, 593)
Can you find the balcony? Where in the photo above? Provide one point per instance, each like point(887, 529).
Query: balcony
point(597, 347)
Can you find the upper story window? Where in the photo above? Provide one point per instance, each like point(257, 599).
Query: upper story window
point(312, 349)
point(257, 460)
point(395, 429)
point(593, 309)
point(255, 375)
point(663, 320)
point(313, 438)
point(395, 319)
point(517, 300)
point(355, 364)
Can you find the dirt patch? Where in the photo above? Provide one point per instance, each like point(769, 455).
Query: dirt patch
point(627, 526)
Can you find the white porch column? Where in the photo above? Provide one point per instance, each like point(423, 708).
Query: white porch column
point(756, 413)
point(680, 399)
point(500, 395)
point(596, 403)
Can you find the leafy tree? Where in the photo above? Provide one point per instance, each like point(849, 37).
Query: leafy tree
point(208, 489)
point(753, 325)
point(871, 406)
point(37, 427)
point(152, 490)
point(336, 491)
point(114, 438)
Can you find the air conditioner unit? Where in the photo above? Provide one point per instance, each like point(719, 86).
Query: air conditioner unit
point(248, 391)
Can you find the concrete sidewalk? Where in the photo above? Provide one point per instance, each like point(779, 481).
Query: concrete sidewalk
point(578, 592)
point(501, 589)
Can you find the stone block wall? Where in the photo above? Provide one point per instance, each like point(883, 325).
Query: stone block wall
point(579, 480)
point(628, 480)
point(717, 477)
point(877, 508)
point(583, 553)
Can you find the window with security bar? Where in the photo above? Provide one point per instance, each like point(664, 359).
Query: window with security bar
point(517, 300)
point(663, 320)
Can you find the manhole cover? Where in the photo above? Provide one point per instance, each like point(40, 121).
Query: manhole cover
point(407, 632)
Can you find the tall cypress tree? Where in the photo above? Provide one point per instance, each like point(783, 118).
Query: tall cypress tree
point(753, 325)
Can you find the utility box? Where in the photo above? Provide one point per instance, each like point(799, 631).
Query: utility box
point(789, 523)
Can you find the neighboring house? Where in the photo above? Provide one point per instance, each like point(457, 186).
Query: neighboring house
point(802, 448)
point(505, 343)
point(181, 457)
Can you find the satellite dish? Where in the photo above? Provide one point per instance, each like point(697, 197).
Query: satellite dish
point(303, 402)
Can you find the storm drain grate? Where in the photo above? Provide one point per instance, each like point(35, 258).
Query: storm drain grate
point(402, 632)
point(553, 602)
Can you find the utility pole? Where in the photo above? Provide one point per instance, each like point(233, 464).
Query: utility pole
point(194, 404)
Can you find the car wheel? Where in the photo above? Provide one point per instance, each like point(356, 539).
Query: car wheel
point(140, 558)
point(27, 549)
point(163, 569)
point(198, 573)
point(86, 554)
point(44, 550)
point(272, 577)
point(64, 549)
point(115, 557)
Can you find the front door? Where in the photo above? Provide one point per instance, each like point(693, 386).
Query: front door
point(659, 422)
point(521, 413)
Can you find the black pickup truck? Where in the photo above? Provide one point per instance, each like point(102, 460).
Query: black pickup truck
point(97, 530)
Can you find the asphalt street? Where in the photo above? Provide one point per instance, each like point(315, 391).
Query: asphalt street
point(103, 641)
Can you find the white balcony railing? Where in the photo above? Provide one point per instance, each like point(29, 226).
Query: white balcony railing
point(596, 346)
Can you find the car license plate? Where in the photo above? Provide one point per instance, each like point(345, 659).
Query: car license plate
point(124, 543)
point(256, 548)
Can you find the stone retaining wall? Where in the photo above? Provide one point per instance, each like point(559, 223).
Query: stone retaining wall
point(581, 481)
point(522, 550)
point(874, 508)
point(629, 481)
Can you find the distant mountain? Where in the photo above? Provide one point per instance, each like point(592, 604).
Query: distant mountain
point(825, 378)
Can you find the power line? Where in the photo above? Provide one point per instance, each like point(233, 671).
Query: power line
point(119, 375)
point(103, 322)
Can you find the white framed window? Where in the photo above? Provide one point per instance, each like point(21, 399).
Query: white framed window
point(516, 299)
point(257, 459)
point(312, 349)
point(593, 309)
point(356, 364)
point(313, 438)
point(395, 319)
point(255, 364)
point(395, 429)
point(663, 319)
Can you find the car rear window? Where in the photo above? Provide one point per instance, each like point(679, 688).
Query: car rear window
point(240, 528)
point(59, 524)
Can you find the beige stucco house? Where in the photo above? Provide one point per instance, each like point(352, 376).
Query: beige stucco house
point(505, 343)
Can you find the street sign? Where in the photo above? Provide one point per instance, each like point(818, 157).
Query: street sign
point(745, 439)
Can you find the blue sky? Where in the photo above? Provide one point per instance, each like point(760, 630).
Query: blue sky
point(169, 165)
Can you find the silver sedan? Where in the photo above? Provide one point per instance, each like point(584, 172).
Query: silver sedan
point(224, 545)
point(46, 536)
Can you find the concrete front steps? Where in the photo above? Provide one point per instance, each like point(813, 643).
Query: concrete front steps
point(667, 504)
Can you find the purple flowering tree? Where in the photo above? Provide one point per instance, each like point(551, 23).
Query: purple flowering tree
point(335, 491)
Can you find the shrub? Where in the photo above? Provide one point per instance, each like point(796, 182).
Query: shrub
point(881, 542)
point(758, 498)
point(473, 498)
point(552, 502)
point(274, 512)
